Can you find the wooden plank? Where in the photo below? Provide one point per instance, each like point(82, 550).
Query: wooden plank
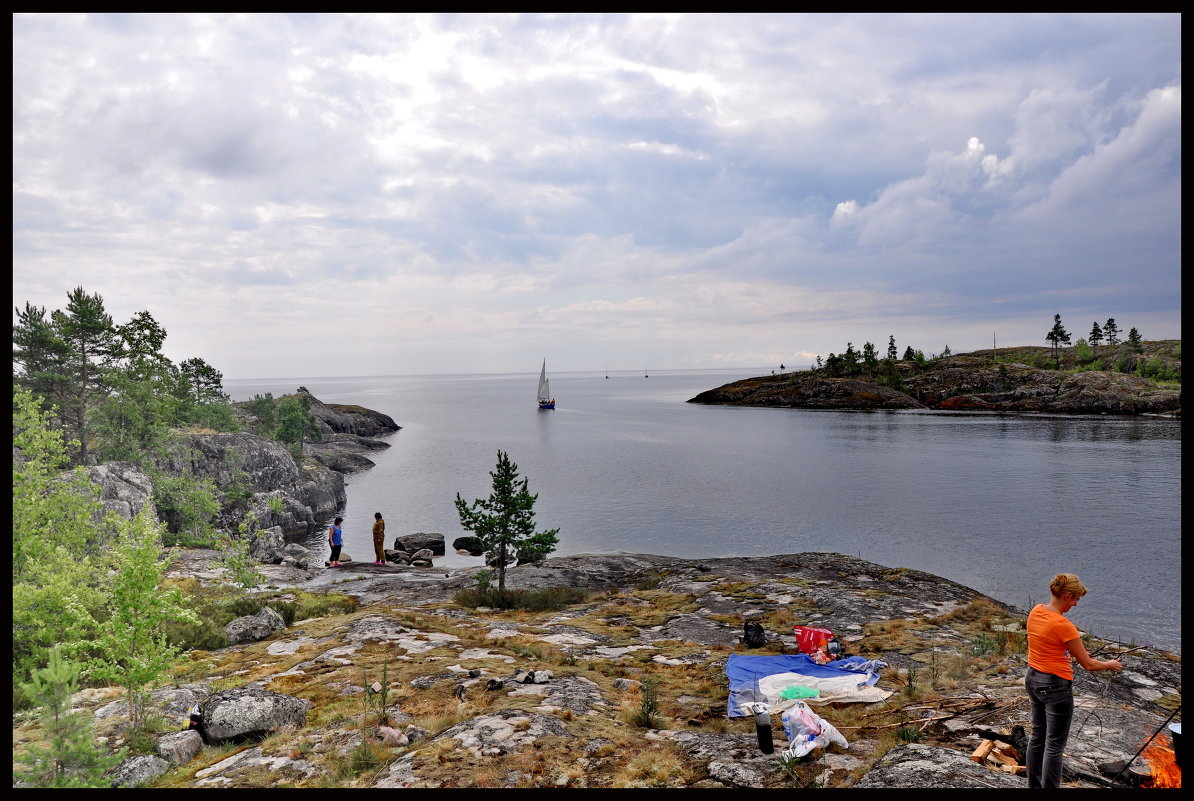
point(1001, 759)
point(984, 748)
point(1007, 750)
point(1017, 770)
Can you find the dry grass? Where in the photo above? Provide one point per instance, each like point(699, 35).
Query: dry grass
point(658, 765)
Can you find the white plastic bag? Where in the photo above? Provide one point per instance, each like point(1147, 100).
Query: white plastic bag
point(806, 730)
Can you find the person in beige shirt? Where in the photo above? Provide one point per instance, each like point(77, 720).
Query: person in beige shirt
point(379, 538)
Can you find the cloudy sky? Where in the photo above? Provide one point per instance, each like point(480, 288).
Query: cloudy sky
point(357, 195)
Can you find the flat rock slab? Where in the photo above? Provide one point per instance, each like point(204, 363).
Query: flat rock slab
point(922, 767)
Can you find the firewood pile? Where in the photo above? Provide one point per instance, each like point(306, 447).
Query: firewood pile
point(1000, 756)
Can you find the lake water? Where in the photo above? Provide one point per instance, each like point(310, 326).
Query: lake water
point(623, 464)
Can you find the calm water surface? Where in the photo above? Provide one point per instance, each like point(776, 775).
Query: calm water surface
point(998, 503)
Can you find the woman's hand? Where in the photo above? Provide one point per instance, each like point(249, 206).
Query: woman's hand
point(1078, 651)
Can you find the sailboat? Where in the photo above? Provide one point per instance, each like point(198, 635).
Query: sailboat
point(546, 401)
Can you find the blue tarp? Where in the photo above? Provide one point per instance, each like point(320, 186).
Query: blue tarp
point(744, 672)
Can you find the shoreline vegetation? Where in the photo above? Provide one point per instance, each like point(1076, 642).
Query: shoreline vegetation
point(1143, 378)
point(143, 499)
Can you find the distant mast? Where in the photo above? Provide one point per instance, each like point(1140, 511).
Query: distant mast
point(645, 372)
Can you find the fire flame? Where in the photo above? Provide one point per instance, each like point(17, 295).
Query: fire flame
point(1163, 763)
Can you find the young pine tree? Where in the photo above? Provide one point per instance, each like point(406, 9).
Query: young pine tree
point(70, 755)
point(505, 521)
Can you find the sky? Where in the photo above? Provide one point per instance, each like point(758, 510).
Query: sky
point(334, 195)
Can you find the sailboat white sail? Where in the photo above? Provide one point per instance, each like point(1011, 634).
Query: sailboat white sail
point(546, 401)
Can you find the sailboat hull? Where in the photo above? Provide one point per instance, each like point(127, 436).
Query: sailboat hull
point(547, 404)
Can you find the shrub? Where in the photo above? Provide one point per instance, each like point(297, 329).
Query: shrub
point(646, 716)
point(548, 599)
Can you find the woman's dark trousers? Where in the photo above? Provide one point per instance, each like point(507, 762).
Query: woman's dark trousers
point(1052, 710)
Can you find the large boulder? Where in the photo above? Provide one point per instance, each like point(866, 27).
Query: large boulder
point(178, 747)
point(470, 544)
point(417, 542)
point(268, 545)
point(138, 770)
point(249, 711)
point(252, 628)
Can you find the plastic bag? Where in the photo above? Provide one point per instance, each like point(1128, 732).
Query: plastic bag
point(814, 641)
point(797, 691)
point(806, 730)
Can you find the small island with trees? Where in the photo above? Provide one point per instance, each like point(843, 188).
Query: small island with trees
point(1099, 374)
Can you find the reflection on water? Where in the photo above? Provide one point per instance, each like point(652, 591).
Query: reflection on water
point(997, 502)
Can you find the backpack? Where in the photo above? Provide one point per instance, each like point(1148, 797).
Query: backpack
point(753, 635)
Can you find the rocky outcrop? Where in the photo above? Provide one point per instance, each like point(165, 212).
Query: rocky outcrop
point(808, 393)
point(927, 767)
point(248, 470)
point(268, 545)
point(340, 418)
point(246, 712)
point(543, 699)
point(967, 382)
point(125, 489)
point(344, 452)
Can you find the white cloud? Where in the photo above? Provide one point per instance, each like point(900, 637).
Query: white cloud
point(706, 179)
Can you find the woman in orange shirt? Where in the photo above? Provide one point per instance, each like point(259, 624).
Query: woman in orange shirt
point(1052, 640)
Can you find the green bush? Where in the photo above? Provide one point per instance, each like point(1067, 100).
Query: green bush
point(545, 600)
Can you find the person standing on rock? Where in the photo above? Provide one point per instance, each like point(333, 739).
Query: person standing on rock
point(379, 538)
point(1052, 640)
point(336, 540)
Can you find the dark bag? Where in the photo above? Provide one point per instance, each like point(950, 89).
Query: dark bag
point(753, 635)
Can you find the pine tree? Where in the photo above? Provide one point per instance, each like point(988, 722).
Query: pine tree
point(505, 521)
point(892, 353)
point(1057, 337)
point(89, 335)
point(1134, 341)
point(1096, 334)
point(869, 356)
point(39, 355)
point(71, 757)
point(1111, 331)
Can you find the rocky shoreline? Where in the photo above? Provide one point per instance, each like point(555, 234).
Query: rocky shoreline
point(259, 477)
point(482, 698)
point(999, 381)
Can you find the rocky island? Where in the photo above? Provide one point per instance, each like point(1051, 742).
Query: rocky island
point(1012, 380)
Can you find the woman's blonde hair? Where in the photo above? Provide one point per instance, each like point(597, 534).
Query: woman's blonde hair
point(1067, 584)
